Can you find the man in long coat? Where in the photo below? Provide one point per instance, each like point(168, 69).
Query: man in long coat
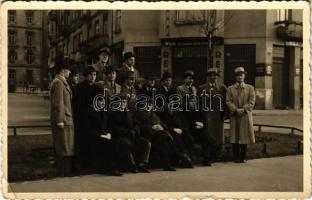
point(213, 106)
point(240, 99)
point(62, 118)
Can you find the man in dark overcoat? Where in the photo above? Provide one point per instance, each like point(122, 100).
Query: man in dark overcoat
point(62, 118)
point(128, 66)
point(86, 91)
point(103, 147)
point(214, 109)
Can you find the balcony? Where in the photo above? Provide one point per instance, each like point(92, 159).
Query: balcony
point(93, 44)
point(289, 31)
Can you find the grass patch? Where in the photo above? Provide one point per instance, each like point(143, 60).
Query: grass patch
point(30, 157)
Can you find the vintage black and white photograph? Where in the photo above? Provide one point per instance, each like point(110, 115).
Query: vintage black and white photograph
point(181, 99)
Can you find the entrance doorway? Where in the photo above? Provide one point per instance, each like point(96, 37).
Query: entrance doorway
point(148, 61)
point(190, 58)
point(239, 55)
point(280, 79)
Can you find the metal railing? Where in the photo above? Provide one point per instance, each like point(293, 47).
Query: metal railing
point(292, 129)
point(26, 126)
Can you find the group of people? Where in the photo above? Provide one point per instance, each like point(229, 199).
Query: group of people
point(89, 134)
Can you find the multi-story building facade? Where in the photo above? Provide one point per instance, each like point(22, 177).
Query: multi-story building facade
point(26, 50)
point(268, 43)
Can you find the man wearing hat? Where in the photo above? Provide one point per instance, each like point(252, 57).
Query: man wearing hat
point(187, 89)
point(103, 62)
point(128, 89)
point(128, 66)
point(240, 99)
point(148, 87)
point(213, 106)
point(109, 84)
point(86, 91)
point(62, 117)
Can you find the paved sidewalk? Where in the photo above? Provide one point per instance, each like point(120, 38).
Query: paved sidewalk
point(265, 175)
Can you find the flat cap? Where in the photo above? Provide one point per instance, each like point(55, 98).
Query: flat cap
point(239, 70)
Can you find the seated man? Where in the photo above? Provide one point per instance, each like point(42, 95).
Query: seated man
point(101, 145)
point(179, 128)
point(162, 142)
point(133, 149)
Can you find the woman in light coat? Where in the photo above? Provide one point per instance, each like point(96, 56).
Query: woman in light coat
point(62, 118)
point(240, 99)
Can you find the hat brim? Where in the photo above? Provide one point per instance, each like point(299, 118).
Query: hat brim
point(210, 73)
point(240, 73)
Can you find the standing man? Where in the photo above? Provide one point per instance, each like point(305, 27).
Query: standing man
point(109, 84)
point(127, 66)
point(213, 107)
point(61, 118)
point(187, 89)
point(86, 91)
point(240, 99)
point(103, 62)
point(128, 89)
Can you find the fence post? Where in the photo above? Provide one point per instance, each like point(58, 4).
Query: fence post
point(292, 131)
point(259, 128)
point(14, 131)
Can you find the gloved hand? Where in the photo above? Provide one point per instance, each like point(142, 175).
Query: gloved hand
point(178, 130)
point(199, 125)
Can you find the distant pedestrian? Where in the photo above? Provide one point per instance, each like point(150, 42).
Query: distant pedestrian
point(240, 99)
point(61, 118)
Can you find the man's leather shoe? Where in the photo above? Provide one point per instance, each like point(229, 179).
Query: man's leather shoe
point(114, 173)
point(143, 169)
point(169, 168)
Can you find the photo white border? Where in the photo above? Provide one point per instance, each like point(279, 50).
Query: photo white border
point(305, 6)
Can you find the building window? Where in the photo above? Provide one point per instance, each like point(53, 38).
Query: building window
point(29, 17)
point(282, 15)
point(118, 21)
point(12, 37)
point(97, 28)
point(12, 16)
point(11, 74)
point(29, 38)
point(29, 56)
point(12, 56)
point(190, 16)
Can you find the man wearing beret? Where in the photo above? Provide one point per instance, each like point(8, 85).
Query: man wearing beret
point(103, 62)
point(62, 118)
point(128, 66)
point(213, 106)
point(240, 99)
